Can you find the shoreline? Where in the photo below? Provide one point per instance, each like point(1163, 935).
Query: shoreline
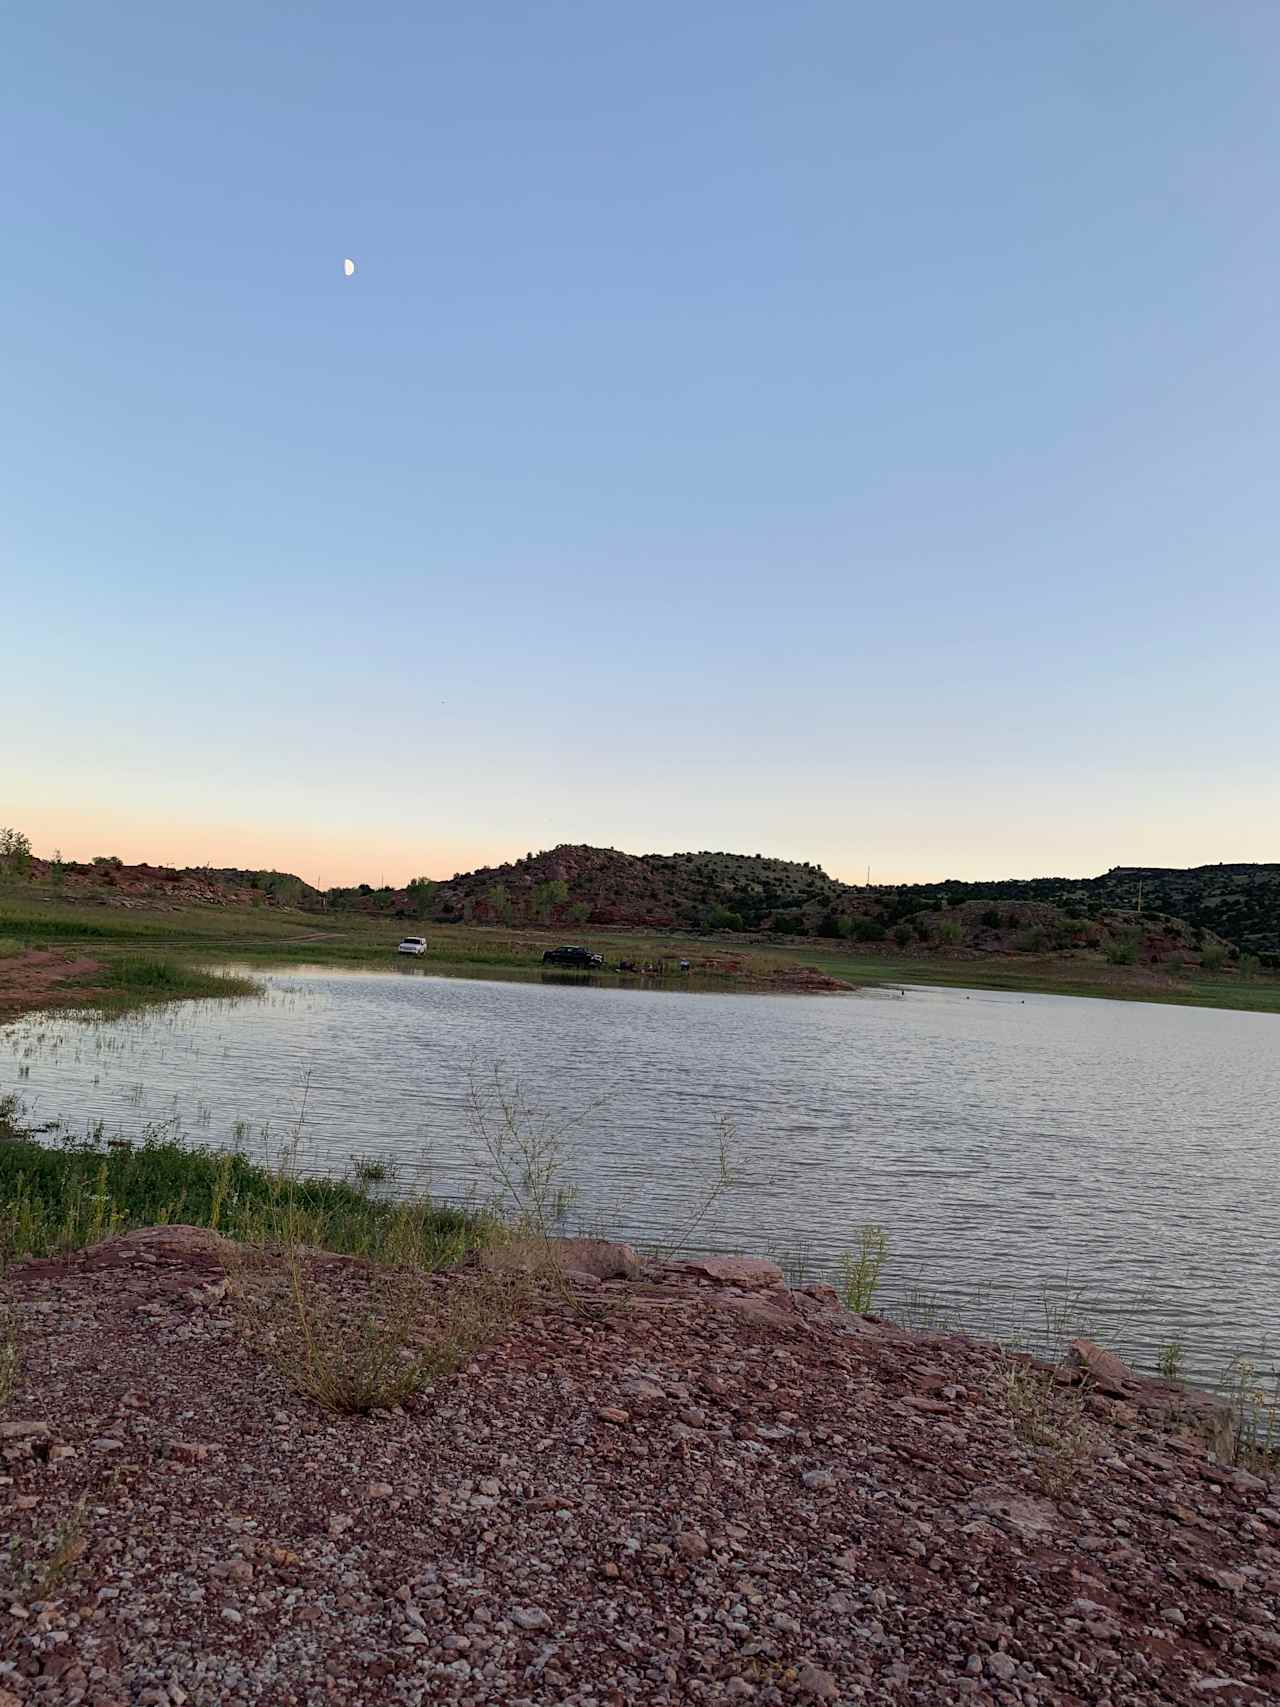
point(648, 1483)
point(78, 972)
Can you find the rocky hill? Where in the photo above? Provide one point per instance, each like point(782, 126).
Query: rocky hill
point(1239, 903)
point(111, 881)
point(575, 885)
point(1148, 914)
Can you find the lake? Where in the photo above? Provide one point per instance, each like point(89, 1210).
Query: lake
point(1037, 1162)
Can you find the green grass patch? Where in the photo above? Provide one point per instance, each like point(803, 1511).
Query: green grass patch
point(136, 979)
point(55, 1199)
point(1190, 987)
point(33, 928)
point(9, 946)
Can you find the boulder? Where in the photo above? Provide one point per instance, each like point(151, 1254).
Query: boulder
point(754, 1272)
point(599, 1258)
point(1108, 1373)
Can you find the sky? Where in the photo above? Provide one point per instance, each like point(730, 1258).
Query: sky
point(839, 431)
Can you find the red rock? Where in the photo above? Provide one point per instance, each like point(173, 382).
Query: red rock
point(1109, 1373)
point(756, 1309)
point(815, 1684)
point(600, 1258)
point(23, 1430)
point(188, 1451)
point(734, 1271)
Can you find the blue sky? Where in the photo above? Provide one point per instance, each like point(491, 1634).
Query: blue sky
point(836, 431)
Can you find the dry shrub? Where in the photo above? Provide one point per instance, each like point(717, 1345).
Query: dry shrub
point(1049, 1419)
point(356, 1338)
point(10, 1360)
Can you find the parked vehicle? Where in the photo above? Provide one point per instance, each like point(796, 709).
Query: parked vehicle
point(572, 957)
point(412, 945)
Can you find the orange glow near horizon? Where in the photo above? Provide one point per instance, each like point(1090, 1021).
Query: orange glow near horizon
point(323, 860)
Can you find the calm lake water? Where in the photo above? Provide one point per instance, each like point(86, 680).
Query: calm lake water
point(1036, 1162)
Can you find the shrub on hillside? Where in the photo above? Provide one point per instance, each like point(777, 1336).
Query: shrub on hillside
point(723, 919)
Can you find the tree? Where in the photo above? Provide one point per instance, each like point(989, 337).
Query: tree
point(15, 852)
point(422, 894)
point(549, 895)
point(723, 919)
point(499, 903)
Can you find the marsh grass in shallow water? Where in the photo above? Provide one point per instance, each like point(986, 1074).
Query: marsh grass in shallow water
point(133, 979)
point(60, 1198)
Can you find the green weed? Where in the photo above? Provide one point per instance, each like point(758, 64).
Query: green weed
point(1172, 1356)
point(860, 1270)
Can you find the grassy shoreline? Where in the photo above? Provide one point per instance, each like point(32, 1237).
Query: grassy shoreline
point(117, 943)
point(56, 1198)
point(60, 1197)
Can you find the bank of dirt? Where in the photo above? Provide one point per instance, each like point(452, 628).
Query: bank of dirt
point(46, 978)
point(676, 1484)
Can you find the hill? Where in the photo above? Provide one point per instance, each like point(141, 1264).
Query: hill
point(1173, 915)
point(107, 880)
point(1129, 914)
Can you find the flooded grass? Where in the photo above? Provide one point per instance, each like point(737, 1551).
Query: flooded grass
point(56, 1198)
point(136, 979)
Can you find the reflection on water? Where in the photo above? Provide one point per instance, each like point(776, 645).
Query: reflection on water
point(1123, 1154)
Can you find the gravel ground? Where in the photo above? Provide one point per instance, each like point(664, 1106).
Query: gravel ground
point(709, 1490)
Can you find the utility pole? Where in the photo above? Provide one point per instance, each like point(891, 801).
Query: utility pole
point(868, 877)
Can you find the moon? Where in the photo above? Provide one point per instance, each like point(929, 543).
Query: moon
point(348, 266)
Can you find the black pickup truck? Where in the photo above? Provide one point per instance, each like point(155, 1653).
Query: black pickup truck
point(572, 957)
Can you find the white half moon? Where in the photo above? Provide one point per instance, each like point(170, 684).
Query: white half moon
point(348, 267)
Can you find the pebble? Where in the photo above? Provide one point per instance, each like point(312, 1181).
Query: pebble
point(816, 1684)
point(818, 1480)
point(530, 1617)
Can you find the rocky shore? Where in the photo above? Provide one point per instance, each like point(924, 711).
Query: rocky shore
point(666, 1483)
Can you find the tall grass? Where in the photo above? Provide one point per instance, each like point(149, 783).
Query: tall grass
point(54, 1200)
point(144, 978)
